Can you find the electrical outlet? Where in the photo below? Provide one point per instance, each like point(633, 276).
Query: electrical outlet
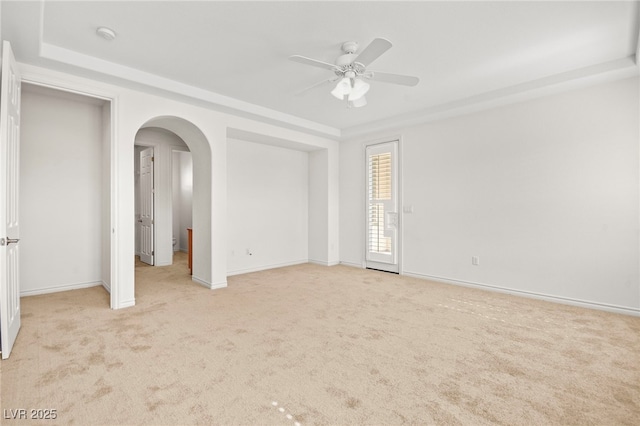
point(475, 260)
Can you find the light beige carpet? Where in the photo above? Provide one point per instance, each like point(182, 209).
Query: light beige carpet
point(329, 345)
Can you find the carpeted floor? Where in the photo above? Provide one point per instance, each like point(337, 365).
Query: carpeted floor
point(314, 345)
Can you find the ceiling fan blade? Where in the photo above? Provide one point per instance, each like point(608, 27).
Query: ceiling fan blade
point(384, 77)
point(373, 51)
point(313, 62)
point(330, 80)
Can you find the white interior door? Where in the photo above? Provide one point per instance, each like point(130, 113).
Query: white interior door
point(9, 230)
point(382, 207)
point(146, 206)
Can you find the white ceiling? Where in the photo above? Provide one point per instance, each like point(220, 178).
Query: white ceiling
point(234, 54)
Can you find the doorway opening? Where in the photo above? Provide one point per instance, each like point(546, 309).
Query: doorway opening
point(65, 164)
point(181, 193)
point(163, 195)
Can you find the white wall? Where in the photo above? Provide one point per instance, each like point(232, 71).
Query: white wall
point(545, 192)
point(205, 131)
point(182, 198)
point(61, 182)
point(106, 196)
point(163, 143)
point(318, 217)
point(267, 206)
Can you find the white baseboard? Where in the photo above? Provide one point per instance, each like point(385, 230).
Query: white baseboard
point(58, 288)
point(265, 267)
point(126, 304)
point(352, 264)
point(218, 285)
point(106, 287)
point(207, 284)
point(550, 298)
point(323, 262)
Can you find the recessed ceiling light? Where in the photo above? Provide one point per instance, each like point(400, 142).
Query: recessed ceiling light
point(106, 33)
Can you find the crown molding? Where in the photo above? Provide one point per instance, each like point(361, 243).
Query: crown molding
point(155, 82)
point(583, 77)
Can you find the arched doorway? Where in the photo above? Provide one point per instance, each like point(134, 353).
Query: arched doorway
point(202, 194)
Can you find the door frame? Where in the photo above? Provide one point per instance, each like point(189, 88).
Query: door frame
point(33, 77)
point(155, 179)
point(399, 244)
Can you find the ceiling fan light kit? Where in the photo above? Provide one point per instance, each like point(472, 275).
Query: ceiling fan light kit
point(351, 68)
point(359, 89)
point(353, 88)
point(342, 88)
point(360, 102)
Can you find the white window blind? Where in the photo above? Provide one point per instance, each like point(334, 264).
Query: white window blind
point(380, 187)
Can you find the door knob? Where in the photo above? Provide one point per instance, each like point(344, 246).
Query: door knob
point(7, 241)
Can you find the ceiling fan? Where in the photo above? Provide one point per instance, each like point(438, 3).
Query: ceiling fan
point(351, 70)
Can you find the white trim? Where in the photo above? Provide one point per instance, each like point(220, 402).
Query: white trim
point(382, 265)
point(106, 287)
point(127, 304)
point(352, 264)
point(207, 284)
point(265, 267)
point(400, 201)
point(66, 82)
point(114, 201)
point(238, 107)
point(522, 293)
point(637, 55)
point(63, 287)
point(596, 74)
point(323, 262)
point(69, 83)
point(218, 285)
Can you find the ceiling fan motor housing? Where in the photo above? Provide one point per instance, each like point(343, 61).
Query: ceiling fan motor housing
point(350, 46)
point(345, 60)
point(347, 67)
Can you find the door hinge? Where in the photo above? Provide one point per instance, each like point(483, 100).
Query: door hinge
point(153, 252)
point(153, 158)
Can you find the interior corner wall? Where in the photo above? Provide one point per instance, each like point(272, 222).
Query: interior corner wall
point(182, 196)
point(61, 182)
point(267, 206)
point(544, 192)
point(163, 142)
point(185, 200)
point(352, 204)
point(318, 202)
